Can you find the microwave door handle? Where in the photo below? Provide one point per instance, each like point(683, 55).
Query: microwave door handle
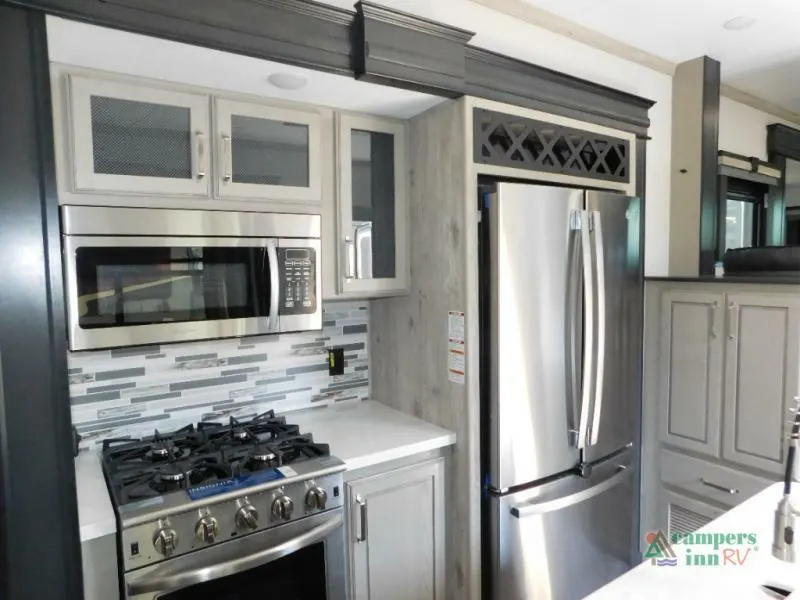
point(274, 285)
point(599, 379)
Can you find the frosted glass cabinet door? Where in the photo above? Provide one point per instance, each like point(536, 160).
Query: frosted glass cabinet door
point(136, 139)
point(267, 152)
point(373, 206)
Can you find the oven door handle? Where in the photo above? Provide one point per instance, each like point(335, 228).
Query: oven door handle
point(177, 581)
point(274, 286)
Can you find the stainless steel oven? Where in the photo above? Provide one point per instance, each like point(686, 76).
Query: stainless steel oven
point(301, 560)
point(146, 276)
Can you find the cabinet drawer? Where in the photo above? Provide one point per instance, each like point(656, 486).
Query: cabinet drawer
point(711, 481)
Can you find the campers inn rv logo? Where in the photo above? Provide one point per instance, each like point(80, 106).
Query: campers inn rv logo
point(699, 549)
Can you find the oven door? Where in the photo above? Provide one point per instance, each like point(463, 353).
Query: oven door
point(126, 291)
point(302, 560)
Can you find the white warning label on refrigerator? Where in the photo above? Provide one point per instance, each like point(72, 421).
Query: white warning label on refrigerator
point(456, 347)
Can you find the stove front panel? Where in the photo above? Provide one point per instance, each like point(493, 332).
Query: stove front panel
point(178, 517)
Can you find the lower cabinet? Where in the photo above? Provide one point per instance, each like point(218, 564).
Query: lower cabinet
point(395, 534)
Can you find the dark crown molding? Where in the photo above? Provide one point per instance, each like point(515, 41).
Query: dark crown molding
point(397, 48)
point(783, 140)
point(505, 79)
point(374, 43)
point(398, 18)
point(297, 32)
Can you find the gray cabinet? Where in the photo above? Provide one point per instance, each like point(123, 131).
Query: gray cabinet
point(762, 363)
point(396, 534)
point(372, 206)
point(692, 349)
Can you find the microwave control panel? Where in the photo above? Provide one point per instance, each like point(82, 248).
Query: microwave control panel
point(298, 269)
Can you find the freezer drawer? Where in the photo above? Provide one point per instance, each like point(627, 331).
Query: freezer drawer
point(565, 540)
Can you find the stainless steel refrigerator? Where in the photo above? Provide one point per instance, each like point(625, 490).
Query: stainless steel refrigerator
point(561, 323)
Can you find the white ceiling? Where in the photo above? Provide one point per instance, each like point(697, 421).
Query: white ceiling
point(762, 60)
point(79, 44)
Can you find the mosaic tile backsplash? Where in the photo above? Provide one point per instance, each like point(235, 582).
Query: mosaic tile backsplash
point(132, 391)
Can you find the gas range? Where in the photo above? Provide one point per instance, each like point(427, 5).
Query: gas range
point(216, 484)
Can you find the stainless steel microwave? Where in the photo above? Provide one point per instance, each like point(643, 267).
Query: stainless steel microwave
point(149, 276)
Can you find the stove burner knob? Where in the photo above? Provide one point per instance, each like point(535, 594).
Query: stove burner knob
point(316, 497)
point(165, 540)
point(282, 508)
point(247, 517)
point(207, 529)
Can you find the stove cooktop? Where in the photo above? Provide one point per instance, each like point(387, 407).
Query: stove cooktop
point(203, 457)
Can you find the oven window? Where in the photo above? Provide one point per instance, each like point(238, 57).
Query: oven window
point(299, 576)
point(139, 286)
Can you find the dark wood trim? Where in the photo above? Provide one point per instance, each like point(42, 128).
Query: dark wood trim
point(297, 32)
point(709, 144)
point(722, 210)
point(498, 77)
point(378, 44)
point(776, 205)
point(784, 141)
point(398, 48)
point(40, 518)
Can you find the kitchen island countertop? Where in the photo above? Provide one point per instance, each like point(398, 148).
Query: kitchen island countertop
point(362, 434)
point(755, 515)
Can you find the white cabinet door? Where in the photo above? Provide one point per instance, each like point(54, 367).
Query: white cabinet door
point(396, 534)
point(691, 370)
point(267, 152)
point(137, 139)
point(372, 206)
point(685, 515)
point(761, 377)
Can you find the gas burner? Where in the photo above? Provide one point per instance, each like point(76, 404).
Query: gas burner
point(240, 434)
point(172, 473)
point(263, 454)
point(162, 451)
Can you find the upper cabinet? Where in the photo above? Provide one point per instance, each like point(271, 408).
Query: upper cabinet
point(136, 139)
point(372, 206)
point(268, 152)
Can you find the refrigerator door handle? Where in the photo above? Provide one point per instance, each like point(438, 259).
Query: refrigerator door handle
point(572, 327)
point(535, 507)
point(599, 378)
point(588, 340)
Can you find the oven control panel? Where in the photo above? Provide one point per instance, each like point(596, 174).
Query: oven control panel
point(298, 276)
point(210, 521)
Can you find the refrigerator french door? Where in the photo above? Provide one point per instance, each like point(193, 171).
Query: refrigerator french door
point(561, 323)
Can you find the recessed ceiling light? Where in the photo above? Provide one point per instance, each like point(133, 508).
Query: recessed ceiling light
point(287, 81)
point(739, 23)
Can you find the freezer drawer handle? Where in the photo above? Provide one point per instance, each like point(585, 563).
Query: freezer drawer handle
point(716, 486)
point(537, 508)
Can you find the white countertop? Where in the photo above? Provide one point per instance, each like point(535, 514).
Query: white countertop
point(362, 434)
point(755, 515)
point(95, 513)
point(369, 433)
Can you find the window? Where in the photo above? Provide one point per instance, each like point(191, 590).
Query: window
point(742, 214)
point(739, 224)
